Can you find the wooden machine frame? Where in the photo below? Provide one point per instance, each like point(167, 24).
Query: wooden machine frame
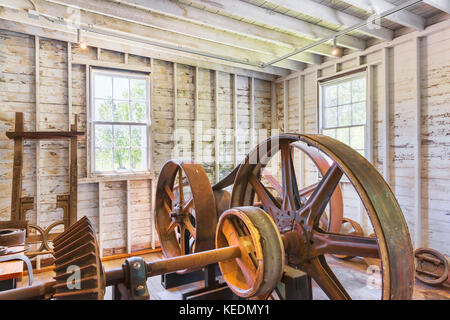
point(20, 205)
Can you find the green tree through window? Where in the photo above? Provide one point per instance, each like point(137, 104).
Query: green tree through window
point(120, 122)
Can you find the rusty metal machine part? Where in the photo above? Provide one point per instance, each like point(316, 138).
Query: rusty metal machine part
point(305, 243)
point(185, 219)
point(432, 267)
point(222, 200)
point(227, 181)
point(12, 247)
point(12, 237)
point(258, 253)
point(259, 268)
point(77, 257)
point(336, 204)
point(336, 207)
point(357, 231)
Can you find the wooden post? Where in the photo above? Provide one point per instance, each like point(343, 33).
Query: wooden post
point(175, 109)
point(285, 105)
point(386, 117)
point(37, 127)
point(17, 170)
point(69, 83)
point(73, 179)
point(128, 217)
point(418, 224)
point(301, 125)
point(369, 114)
point(235, 121)
point(100, 218)
point(252, 111)
point(153, 211)
point(217, 131)
point(197, 122)
point(273, 106)
point(89, 125)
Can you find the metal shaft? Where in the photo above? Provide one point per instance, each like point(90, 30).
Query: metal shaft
point(191, 261)
point(35, 292)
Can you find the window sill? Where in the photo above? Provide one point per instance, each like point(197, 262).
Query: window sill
point(147, 175)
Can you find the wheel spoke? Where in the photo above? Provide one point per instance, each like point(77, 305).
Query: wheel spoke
point(171, 227)
point(268, 200)
point(308, 190)
point(246, 264)
point(345, 244)
point(167, 208)
point(318, 269)
point(188, 205)
point(317, 202)
point(185, 183)
point(291, 199)
point(180, 183)
point(274, 184)
point(187, 222)
point(182, 239)
point(169, 193)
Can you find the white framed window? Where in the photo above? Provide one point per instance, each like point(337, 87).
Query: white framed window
point(120, 122)
point(343, 110)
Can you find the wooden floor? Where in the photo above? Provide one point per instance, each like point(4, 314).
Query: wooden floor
point(360, 281)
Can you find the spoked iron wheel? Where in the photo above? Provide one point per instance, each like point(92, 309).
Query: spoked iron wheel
point(306, 244)
point(336, 207)
point(185, 211)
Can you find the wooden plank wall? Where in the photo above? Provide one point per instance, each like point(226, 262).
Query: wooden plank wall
point(120, 207)
point(429, 226)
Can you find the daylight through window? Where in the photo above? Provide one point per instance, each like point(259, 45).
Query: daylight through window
point(343, 110)
point(120, 121)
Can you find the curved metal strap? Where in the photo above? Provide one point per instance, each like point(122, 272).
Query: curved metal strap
point(25, 259)
point(228, 180)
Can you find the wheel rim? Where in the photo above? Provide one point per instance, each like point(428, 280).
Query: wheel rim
point(259, 269)
point(186, 220)
point(392, 243)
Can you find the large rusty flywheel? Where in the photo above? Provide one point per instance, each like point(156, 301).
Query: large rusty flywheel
point(298, 218)
point(185, 209)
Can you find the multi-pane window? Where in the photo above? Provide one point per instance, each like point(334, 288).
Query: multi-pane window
point(120, 121)
point(343, 110)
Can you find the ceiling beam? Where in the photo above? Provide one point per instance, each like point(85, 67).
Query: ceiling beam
point(166, 39)
point(147, 18)
point(248, 11)
point(330, 15)
point(240, 28)
point(19, 21)
point(403, 17)
point(443, 5)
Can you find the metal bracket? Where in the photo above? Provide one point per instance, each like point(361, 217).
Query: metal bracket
point(135, 270)
point(25, 259)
